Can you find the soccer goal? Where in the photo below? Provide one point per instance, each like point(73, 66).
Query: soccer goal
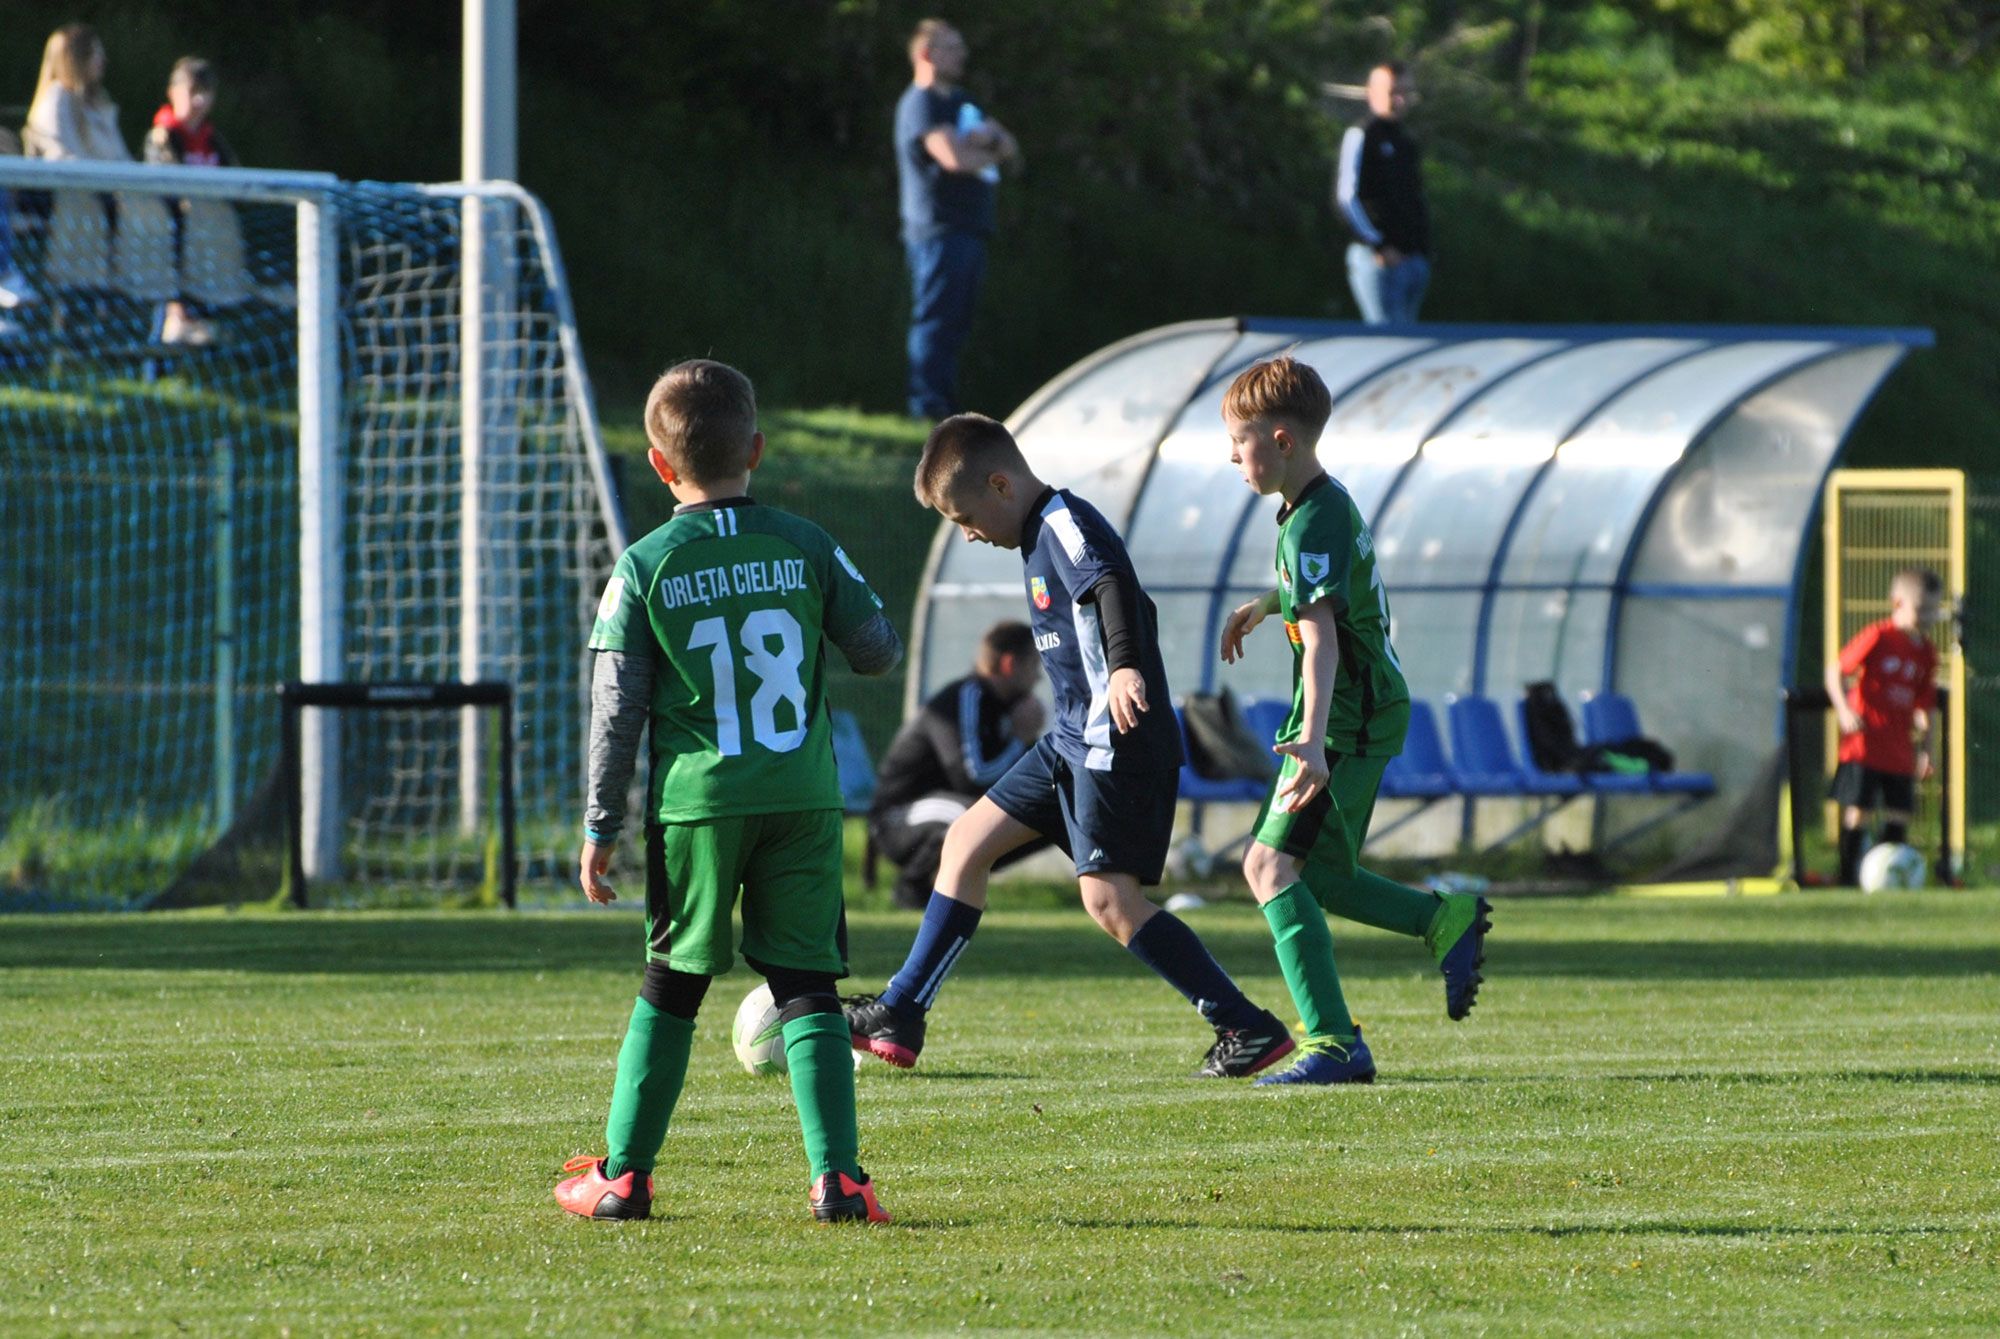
point(375, 459)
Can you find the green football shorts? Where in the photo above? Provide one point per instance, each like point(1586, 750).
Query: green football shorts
point(1329, 830)
point(788, 866)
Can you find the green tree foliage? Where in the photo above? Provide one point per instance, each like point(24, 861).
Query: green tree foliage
point(721, 178)
point(1827, 39)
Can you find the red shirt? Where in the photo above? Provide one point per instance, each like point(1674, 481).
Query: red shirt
point(196, 148)
point(1895, 676)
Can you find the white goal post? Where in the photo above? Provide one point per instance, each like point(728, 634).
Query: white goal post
point(449, 511)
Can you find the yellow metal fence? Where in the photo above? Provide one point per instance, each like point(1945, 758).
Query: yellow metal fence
point(1877, 523)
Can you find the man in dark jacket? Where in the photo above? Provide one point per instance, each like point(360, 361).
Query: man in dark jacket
point(947, 755)
point(1378, 191)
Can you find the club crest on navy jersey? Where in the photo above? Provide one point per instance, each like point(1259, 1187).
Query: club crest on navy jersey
point(1038, 590)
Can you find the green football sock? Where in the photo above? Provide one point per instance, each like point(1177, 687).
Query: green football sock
point(1372, 900)
point(1305, 956)
point(652, 1066)
point(819, 1052)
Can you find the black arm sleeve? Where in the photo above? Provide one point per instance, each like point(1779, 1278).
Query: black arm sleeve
point(1122, 617)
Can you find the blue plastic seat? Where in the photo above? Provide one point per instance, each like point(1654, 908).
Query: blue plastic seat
point(1198, 789)
point(1265, 716)
point(1598, 783)
point(851, 763)
point(1611, 717)
point(1485, 759)
point(1421, 771)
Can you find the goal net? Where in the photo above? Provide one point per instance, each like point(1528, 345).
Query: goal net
point(262, 427)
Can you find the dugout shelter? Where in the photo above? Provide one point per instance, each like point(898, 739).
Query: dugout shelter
point(1615, 508)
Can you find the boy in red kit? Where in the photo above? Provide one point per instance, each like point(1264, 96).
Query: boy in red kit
point(1894, 671)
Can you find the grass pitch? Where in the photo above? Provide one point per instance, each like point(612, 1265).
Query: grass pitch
point(1755, 1116)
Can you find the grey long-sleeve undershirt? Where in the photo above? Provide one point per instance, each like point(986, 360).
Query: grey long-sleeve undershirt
point(621, 700)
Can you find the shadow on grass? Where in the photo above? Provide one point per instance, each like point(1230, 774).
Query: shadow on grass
point(1552, 1231)
point(1723, 1078)
point(390, 944)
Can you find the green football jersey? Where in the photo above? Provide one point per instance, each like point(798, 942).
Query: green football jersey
point(1326, 553)
point(735, 600)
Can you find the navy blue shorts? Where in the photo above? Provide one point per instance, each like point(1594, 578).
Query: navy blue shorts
point(1108, 822)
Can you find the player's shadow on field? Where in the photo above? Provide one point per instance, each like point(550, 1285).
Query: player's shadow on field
point(1552, 1231)
point(362, 943)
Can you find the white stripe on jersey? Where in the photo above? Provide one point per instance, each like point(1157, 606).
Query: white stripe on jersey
point(1056, 516)
point(1097, 721)
point(984, 771)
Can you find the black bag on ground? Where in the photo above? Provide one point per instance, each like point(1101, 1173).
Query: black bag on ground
point(1220, 745)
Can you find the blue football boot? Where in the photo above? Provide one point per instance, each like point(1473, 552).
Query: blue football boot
point(1323, 1060)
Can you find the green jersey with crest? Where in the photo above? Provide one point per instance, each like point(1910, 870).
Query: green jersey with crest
point(1326, 553)
point(735, 601)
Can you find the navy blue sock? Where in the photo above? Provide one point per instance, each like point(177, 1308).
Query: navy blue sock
point(947, 926)
point(1165, 944)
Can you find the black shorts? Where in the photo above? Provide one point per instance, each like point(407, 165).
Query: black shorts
point(1862, 787)
point(1107, 822)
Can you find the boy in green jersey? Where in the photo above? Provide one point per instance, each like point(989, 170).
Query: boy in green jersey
point(710, 633)
point(1350, 709)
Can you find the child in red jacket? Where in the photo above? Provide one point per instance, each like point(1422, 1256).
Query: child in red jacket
point(1893, 667)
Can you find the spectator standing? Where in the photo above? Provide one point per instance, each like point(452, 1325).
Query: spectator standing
point(208, 243)
point(944, 758)
point(96, 241)
point(1893, 699)
point(1378, 191)
point(948, 153)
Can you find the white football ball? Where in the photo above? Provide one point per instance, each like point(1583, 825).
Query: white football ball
point(757, 1035)
point(1892, 865)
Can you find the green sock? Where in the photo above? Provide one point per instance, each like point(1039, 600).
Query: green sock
point(819, 1052)
point(652, 1066)
point(1372, 900)
point(1305, 955)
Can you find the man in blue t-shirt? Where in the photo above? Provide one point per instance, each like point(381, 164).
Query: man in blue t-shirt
point(948, 156)
point(1101, 784)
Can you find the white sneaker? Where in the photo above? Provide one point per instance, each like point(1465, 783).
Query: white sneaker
point(15, 290)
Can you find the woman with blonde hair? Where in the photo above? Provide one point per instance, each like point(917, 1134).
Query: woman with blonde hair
point(122, 240)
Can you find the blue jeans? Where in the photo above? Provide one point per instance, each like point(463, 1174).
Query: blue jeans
point(6, 232)
point(1387, 294)
point(945, 273)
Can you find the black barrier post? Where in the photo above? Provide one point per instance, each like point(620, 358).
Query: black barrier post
point(1803, 703)
point(507, 797)
point(397, 696)
point(1942, 763)
point(289, 766)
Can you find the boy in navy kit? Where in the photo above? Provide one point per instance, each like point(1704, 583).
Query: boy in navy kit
point(1101, 784)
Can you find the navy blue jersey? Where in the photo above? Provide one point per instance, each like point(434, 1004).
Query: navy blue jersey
point(1067, 547)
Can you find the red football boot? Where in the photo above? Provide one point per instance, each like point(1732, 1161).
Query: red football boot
point(593, 1195)
point(839, 1198)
